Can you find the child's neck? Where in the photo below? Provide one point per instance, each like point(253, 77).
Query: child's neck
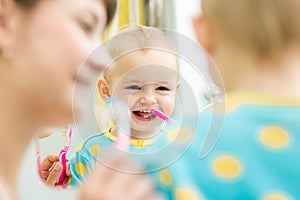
point(135, 135)
point(278, 77)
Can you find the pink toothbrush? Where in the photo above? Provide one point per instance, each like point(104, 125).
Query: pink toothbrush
point(123, 141)
point(38, 155)
point(63, 159)
point(162, 116)
point(123, 120)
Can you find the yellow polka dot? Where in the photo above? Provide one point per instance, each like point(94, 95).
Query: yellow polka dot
point(138, 143)
point(95, 150)
point(79, 148)
point(165, 177)
point(275, 197)
point(180, 135)
point(69, 181)
point(274, 137)
point(186, 194)
point(80, 169)
point(227, 167)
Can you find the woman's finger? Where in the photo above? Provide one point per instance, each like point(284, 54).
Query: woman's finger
point(54, 174)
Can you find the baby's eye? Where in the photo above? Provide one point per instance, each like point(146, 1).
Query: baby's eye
point(162, 88)
point(133, 87)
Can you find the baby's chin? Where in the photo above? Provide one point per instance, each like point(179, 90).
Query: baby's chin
point(144, 133)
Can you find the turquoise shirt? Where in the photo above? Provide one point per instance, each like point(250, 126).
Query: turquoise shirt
point(256, 157)
point(144, 152)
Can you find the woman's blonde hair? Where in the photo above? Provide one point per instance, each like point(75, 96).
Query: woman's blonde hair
point(263, 27)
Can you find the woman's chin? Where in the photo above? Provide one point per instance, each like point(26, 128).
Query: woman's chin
point(60, 118)
point(79, 110)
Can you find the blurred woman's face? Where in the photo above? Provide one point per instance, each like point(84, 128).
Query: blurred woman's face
point(50, 43)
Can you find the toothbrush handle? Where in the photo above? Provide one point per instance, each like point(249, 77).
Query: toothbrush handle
point(123, 141)
point(63, 160)
point(162, 116)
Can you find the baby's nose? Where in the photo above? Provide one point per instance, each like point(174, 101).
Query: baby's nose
point(148, 98)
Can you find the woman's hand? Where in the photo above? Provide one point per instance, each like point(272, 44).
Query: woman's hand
point(51, 169)
point(107, 183)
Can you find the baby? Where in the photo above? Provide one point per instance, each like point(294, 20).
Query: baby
point(144, 77)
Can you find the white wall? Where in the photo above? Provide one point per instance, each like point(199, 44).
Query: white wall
point(197, 75)
point(184, 11)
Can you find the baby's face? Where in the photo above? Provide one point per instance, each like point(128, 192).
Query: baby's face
point(146, 80)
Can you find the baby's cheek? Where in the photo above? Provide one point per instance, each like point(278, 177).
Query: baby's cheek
point(168, 105)
point(132, 100)
point(128, 99)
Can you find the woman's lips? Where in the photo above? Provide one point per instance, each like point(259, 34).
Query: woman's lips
point(88, 72)
point(82, 81)
point(95, 66)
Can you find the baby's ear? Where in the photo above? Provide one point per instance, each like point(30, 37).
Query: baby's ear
point(103, 89)
point(203, 33)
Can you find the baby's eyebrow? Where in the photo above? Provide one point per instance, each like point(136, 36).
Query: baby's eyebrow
point(165, 82)
point(132, 82)
point(138, 82)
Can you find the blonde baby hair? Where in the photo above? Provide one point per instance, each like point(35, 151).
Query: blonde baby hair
point(139, 38)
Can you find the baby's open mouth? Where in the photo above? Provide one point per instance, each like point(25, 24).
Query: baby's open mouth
point(144, 115)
